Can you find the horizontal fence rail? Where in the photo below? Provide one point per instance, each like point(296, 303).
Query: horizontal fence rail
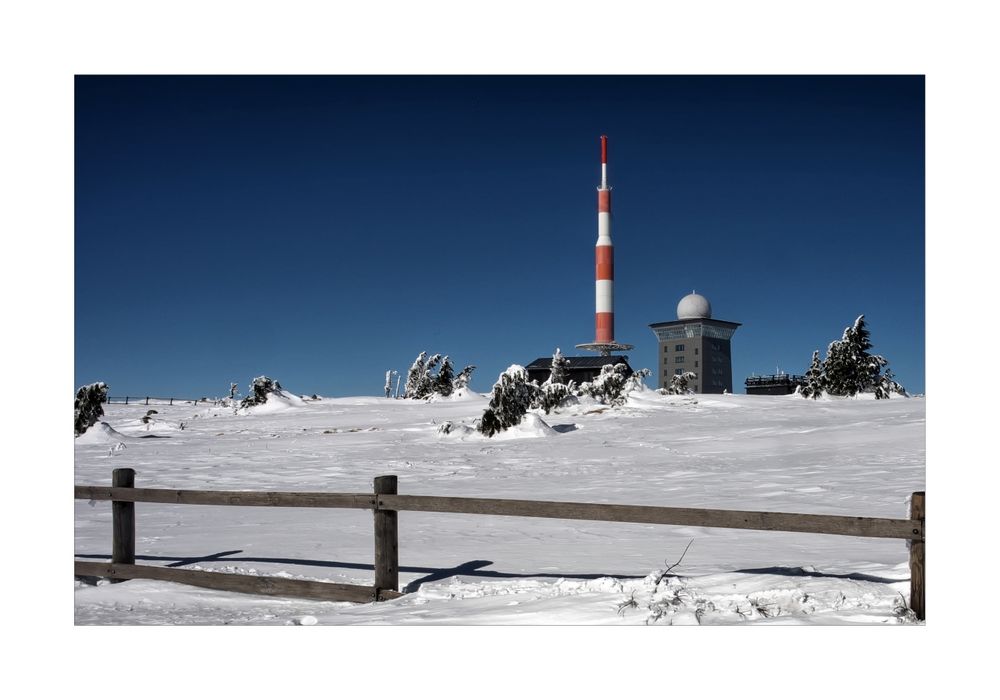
point(660, 515)
point(238, 583)
point(385, 503)
point(278, 499)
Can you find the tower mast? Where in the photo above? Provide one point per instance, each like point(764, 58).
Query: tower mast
point(604, 317)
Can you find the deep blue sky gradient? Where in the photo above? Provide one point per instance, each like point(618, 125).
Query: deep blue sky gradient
point(321, 230)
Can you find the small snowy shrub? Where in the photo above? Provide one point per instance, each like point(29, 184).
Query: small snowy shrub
point(554, 395)
point(560, 369)
point(461, 381)
point(512, 396)
point(88, 406)
point(260, 389)
point(611, 386)
point(815, 382)
point(635, 382)
point(680, 384)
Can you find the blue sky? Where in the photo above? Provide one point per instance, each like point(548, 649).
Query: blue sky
point(322, 230)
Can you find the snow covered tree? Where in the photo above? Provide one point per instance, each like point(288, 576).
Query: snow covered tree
point(635, 382)
point(422, 382)
point(887, 386)
point(88, 407)
point(462, 379)
point(426, 385)
point(560, 369)
point(552, 395)
point(850, 369)
point(610, 386)
point(815, 383)
point(445, 377)
point(680, 384)
point(260, 389)
point(512, 396)
point(415, 376)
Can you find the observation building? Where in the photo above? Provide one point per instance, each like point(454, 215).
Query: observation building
point(697, 343)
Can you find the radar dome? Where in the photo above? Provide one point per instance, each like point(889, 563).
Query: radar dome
point(693, 306)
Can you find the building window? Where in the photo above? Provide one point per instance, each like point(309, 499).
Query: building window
point(696, 363)
point(678, 371)
point(696, 351)
point(679, 348)
point(679, 358)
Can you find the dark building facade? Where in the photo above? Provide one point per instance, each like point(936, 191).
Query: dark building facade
point(696, 343)
point(581, 369)
point(774, 384)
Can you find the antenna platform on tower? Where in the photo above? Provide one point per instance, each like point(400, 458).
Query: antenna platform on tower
point(605, 348)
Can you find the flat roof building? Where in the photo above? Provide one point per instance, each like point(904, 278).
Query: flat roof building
point(580, 369)
point(696, 343)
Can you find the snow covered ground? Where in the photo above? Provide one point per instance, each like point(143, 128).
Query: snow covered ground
point(836, 456)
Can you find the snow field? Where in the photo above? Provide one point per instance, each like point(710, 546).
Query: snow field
point(846, 457)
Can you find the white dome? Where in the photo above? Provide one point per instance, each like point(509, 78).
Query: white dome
point(693, 306)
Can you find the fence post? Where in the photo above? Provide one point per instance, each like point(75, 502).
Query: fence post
point(122, 521)
point(386, 538)
point(917, 564)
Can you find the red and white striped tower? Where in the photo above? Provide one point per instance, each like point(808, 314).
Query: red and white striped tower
point(604, 319)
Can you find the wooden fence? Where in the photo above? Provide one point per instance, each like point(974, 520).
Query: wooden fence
point(386, 503)
point(157, 401)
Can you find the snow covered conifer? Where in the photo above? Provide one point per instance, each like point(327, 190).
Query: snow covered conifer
point(850, 369)
point(680, 383)
point(415, 376)
point(422, 382)
point(512, 396)
point(610, 386)
point(462, 380)
point(815, 382)
point(426, 385)
point(560, 369)
point(88, 406)
point(445, 377)
point(260, 388)
point(887, 386)
point(552, 395)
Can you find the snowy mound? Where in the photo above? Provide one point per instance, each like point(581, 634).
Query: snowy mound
point(464, 394)
point(531, 426)
point(100, 434)
point(277, 401)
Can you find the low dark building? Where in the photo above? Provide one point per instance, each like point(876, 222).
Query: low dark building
point(580, 370)
point(774, 384)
